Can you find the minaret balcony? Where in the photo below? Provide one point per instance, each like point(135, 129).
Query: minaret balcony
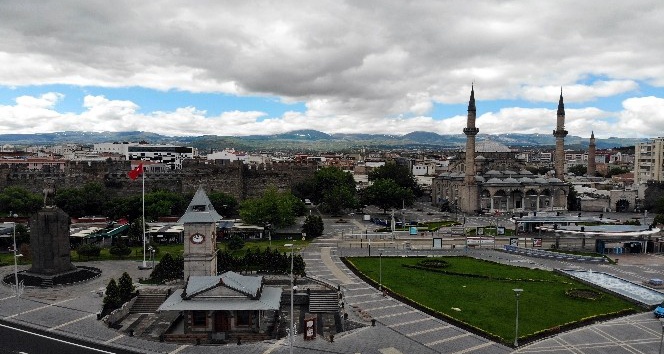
point(471, 131)
point(560, 133)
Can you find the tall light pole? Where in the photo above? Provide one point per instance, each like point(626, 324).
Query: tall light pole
point(380, 269)
point(290, 332)
point(517, 292)
point(661, 340)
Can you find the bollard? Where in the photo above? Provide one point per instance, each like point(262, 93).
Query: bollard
point(331, 338)
point(239, 341)
point(161, 337)
point(131, 332)
point(373, 322)
point(198, 341)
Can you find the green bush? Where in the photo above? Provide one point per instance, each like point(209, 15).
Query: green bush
point(235, 243)
point(88, 250)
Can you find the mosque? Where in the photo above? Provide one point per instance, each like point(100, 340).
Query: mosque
point(497, 181)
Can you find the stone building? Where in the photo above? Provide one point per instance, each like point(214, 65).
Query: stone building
point(497, 181)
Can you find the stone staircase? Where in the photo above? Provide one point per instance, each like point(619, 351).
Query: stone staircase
point(323, 302)
point(148, 302)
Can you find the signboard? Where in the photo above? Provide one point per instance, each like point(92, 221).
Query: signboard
point(537, 242)
point(413, 230)
point(437, 243)
point(480, 230)
point(500, 230)
point(367, 217)
point(514, 241)
point(310, 328)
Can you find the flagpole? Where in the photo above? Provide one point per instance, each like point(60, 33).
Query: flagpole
point(143, 197)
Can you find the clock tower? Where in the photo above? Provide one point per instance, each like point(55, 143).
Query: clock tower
point(200, 236)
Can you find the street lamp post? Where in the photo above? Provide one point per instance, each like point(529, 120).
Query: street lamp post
point(380, 269)
point(661, 340)
point(290, 332)
point(517, 292)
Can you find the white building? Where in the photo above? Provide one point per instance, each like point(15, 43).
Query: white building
point(649, 161)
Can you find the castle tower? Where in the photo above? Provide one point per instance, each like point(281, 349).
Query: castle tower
point(560, 133)
point(470, 196)
point(591, 156)
point(200, 237)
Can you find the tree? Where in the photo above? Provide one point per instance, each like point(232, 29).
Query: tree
point(274, 207)
point(226, 205)
point(235, 243)
point(120, 250)
point(572, 199)
point(329, 178)
point(387, 194)
point(401, 175)
point(135, 231)
point(659, 219)
point(90, 199)
point(614, 171)
point(338, 198)
point(164, 203)
point(168, 268)
point(313, 226)
point(88, 250)
point(125, 287)
point(112, 298)
point(16, 200)
point(578, 170)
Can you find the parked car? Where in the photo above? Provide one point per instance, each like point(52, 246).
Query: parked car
point(659, 311)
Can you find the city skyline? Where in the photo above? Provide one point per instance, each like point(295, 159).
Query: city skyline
point(247, 68)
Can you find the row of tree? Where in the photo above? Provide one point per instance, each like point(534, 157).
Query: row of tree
point(267, 261)
point(335, 191)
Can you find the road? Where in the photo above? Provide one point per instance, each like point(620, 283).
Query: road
point(20, 340)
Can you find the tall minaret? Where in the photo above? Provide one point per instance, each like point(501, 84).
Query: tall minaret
point(591, 156)
point(560, 134)
point(470, 130)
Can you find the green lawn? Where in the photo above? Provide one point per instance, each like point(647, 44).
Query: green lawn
point(481, 294)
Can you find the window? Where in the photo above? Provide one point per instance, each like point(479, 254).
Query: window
point(198, 318)
point(243, 318)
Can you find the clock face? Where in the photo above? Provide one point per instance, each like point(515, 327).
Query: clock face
point(197, 238)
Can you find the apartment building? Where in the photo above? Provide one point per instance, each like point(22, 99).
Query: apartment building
point(649, 161)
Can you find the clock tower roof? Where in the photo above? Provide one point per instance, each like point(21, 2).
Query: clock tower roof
point(200, 210)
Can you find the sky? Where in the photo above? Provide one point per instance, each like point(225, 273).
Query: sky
point(209, 67)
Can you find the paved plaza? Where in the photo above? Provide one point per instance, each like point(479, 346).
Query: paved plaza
point(71, 311)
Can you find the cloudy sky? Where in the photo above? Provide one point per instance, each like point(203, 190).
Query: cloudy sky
point(258, 67)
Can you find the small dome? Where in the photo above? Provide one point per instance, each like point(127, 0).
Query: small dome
point(509, 172)
point(492, 172)
point(511, 180)
point(480, 157)
point(525, 172)
point(494, 181)
point(479, 179)
point(526, 180)
point(554, 180)
point(540, 180)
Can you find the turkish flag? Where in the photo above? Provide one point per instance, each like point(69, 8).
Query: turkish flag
point(133, 174)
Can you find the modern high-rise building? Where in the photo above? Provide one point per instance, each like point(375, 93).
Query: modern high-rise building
point(649, 161)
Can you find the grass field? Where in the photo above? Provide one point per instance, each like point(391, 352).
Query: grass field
point(480, 294)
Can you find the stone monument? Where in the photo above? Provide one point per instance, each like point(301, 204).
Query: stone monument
point(49, 242)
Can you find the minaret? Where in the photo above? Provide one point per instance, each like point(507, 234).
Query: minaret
point(470, 130)
point(560, 134)
point(591, 156)
point(469, 194)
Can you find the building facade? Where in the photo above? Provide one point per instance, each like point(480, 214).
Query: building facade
point(649, 161)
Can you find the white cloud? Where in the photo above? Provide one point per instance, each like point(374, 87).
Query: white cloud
point(355, 65)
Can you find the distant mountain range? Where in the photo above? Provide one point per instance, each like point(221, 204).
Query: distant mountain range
point(311, 140)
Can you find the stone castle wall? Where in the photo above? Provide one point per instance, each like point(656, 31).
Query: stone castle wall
point(236, 179)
